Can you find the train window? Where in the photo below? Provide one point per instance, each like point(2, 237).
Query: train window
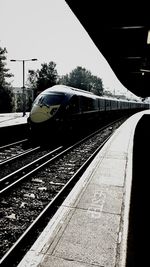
point(101, 104)
point(107, 104)
point(49, 99)
point(113, 105)
point(83, 103)
point(74, 105)
point(88, 104)
point(96, 106)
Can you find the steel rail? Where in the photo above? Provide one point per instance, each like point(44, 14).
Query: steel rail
point(51, 207)
point(8, 177)
point(30, 150)
point(12, 144)
point(11, 175)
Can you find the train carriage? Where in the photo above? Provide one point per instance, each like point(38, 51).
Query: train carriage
point(61, 109)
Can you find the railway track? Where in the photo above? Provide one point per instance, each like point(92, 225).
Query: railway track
point(35, 196)
point(12, 179)
point(12, 150)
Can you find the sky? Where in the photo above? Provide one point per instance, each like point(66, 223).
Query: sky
point(49, 31)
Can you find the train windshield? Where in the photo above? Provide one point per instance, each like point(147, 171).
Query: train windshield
point(49, 99)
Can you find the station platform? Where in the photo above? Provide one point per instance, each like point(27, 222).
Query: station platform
point(13, 126)
point(90, 228)
point(11, 119)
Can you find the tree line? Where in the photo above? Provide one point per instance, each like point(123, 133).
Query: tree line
point(80, 78)
point(5, 92)
point(43, 78)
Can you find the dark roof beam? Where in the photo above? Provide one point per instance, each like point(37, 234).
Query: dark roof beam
point(144, 70)
point(128, 27)
point(132, 57)
point(148, 37)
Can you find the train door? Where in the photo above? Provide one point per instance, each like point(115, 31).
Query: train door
point(73, 111)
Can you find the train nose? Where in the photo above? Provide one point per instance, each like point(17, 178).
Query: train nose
point(40, 114)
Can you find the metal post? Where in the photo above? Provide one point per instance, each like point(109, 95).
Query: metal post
point(23, 90)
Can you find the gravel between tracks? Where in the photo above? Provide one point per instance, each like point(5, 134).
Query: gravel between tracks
point(24, 203)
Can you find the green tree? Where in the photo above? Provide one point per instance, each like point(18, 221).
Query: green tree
point(96, 85)
point(6, 103)
point(19, 102)
point(5, 91)
point(44, 78)
point(78, 78)
point(32, 79)
point(83, 79)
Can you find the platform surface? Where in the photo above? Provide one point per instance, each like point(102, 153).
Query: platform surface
point(90, 227)
point(10, 119)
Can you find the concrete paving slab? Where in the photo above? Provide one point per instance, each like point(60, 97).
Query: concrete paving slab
point(110, 172)
point(90, 239)
point(58, 223)
point(58, 262)
point(102, 198)
point(116, 154)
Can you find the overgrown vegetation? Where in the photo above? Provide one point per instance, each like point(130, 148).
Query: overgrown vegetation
point(5, 89)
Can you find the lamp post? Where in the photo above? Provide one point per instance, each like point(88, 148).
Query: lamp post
point(23, 87)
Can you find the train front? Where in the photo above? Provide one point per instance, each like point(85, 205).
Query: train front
point(44, 120)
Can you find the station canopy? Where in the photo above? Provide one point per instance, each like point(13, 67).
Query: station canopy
point(121, 32)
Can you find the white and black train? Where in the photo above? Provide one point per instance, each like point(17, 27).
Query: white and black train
point(61, 109)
